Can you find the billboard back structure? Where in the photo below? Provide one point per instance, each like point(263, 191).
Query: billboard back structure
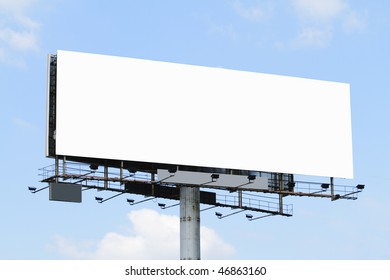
point(126, 109)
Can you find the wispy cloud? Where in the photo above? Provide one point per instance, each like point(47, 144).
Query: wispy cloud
point(312, 23)
point(319, 10)
point(21, 40)
point(354, 22)
point(312, 37)
point(320, 19)
point(15, 5)
point(18, 31)
point(143, 241)
point(223, 30)
point(257, 11)
point(23, 124)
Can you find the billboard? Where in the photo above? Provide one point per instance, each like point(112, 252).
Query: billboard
point(139, 110)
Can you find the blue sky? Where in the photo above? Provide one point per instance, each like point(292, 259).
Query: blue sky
point(336, 40)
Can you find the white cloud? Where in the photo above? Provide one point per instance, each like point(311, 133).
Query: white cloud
point(320, 19)
point(309, 23)
point(21, 123)
point(71, 248)
point(258, 12)
point(312, 23)
point(354, 22)
point(213, 247)
point(313, 37)
point(319, 10)
point(224, 30)
point(21, 40)
point(15, 5)
point(152, 236)
point(18, 31)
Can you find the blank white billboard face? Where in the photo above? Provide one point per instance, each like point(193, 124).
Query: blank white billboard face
point(140, 110)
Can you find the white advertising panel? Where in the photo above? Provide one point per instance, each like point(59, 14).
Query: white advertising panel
point(148, 111)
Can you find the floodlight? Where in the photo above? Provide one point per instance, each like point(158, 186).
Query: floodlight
point(163, 205)
point(220, 216)
point(251, 177)
point(131, 201)
point(35, 190)
point(250, 216)
point(360, 187)
point(94, 167)
point(99, 199)
point(325, 186)
point(291, 186)
point(214, 177)
point(172, 169)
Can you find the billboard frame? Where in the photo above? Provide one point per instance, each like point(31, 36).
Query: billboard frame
point(141, 165)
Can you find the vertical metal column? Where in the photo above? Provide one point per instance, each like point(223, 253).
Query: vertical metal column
point(332, 188)
point(281, 189)
point(189, 223)
point(105, 177)
point(57, 168)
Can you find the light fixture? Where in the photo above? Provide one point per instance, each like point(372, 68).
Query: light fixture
point(291, 186)
point(130, 201)
point(325, 186)
point(101, 200)
point(131, 171)
point(220, 216)
point(172, 169)
point(214, 177)
point(251, 178)
point(250, 216)
point(360, 187)
point(94, 167)
point(35, 190)
point(163, 205)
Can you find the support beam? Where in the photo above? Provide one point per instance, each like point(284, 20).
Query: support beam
point(56, 169)
point(105, 177)
point(189, 223)
point(332, 188)
point(281, 189)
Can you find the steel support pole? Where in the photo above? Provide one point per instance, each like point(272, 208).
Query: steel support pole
point(281, 189)
point(189, 223)
point(332, 188)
